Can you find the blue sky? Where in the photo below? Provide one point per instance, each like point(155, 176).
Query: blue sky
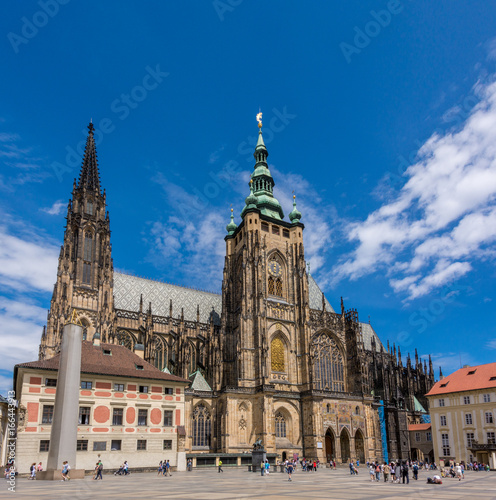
point(380, 115)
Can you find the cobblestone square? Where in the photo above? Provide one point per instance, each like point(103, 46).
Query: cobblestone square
point(239, 484)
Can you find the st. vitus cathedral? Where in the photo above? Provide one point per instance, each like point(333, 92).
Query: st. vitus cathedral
point(268, 358)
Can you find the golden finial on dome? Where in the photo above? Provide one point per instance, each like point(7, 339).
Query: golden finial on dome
point(259, 119)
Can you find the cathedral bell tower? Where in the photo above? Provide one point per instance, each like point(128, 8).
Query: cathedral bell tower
point(85, 268)
point(265, 290)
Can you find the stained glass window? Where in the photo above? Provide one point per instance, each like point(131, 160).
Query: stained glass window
point(280, 425)
point(202, 424)
point(328, 364)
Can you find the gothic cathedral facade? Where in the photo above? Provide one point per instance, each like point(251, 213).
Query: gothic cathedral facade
point(268, 358)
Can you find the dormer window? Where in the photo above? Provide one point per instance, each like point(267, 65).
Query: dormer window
point(107, 352)
point(140, 367)
point(471, 372)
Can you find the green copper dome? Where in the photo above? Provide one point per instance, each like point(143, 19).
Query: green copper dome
point(231, 227)
point(295, 215)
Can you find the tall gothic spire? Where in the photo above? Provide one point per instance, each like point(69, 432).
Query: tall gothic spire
point(89, 178)
point(263, 183)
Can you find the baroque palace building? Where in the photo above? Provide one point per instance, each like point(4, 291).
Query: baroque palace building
point(268, 358)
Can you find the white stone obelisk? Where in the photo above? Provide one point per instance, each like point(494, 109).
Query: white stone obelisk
point(63, 437)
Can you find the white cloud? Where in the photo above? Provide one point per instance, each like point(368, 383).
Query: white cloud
point(22, 324)
point(491, 344)
point(56, 209)
point(444, 216)
point(27, 264)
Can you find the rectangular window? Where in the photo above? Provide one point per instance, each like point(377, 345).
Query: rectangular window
point(441, 402)
point(490, 438)
point(51, 382)
point(468, 419)
point(445, 445)
point(119, 387)
point(489, 417)
point(84, 415)
point(99, 445)
point(82, 445)
point(86, 273)
point(45, 445)
point(168, 418)
point(115, 445)
point(167, 444)
point(143, 388)
point(142, 417)
point(86, 385)
point(428, 436)
point(117, 416)
point(141, 445)
point(285, 233)
point(487, 398)
point(265, 227)
point(466, 400)
point(470, 439)
point(442, 419)
point(417, 436)
point(89, 208)
point(275, 230)
point(168, 390)
point(47, 414)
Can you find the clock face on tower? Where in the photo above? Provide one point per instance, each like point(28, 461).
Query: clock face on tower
point(275, 268)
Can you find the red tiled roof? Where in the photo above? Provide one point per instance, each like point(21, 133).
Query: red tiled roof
point(419, 427)
point(466, 379)
point(122, 362)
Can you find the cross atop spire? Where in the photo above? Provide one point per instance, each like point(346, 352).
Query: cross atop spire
point(89, 177)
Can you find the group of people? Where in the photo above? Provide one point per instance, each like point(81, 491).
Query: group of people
point(123, 470)
point(478, 466)
point(164, 468)
point(33, 470)
point(264, 468)
point(394, 472)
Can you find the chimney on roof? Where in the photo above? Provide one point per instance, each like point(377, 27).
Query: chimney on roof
point(96, 339)
point(139, 350)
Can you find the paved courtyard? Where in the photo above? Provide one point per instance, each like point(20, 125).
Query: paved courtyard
point(238, 484)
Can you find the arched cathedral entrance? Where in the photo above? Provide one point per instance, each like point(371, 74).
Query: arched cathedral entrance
point(359, 446)
point(344, 439)
point(330, 446)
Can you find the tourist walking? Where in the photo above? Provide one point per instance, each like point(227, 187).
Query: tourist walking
point(415, 471)
point(386, 471)
point(99, 470)
point(159, 468)
point(289, 468)
point(262, 467)
point(33, 471)
point(404, 473)
point(167, 469)
point(267, 467)
point(65, 471)
point(220, 466)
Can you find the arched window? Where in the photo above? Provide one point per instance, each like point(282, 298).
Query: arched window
point(192, 358)
point(275, 271)
point(357, 410)
point(277, 355)
point(202, 424)
point(328, 364)
point(87, 258)
point(280, 425)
